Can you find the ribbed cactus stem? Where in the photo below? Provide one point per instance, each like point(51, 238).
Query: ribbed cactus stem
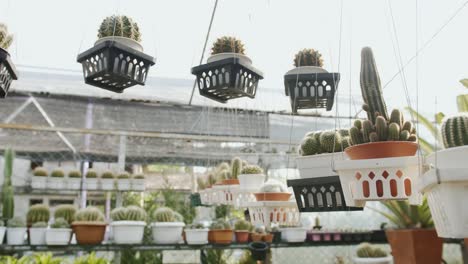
point(381, 128)
point(66, 212)
point(396, 117)
point(408, 126)
point(310, 146)
point(358, 124)
point(356, 135)
point(371, 87)
point(330, 141)
point(404, 135)
point(367, 129)
point(236, 167)
point(455, 131)
point(38, 213)
point(393, 132)
point(373, 137)
point(164, 214)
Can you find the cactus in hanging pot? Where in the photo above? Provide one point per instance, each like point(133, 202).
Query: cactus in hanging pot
point(367, 253)
point(166, 227)
point(220, 232)
point(16, 231)
point(123, 181)
point(228, 47)
point(121, 29)
point(308, 61)
point(273, 190)
point(91, 180)
point(455, 131)
point(138, 182)
point(128, 224)
point(196, 234)
point(89, 226)
point(251, 178)
point(8, 72)
point(59, 232)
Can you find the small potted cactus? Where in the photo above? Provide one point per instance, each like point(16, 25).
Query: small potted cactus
point(293, 233)
point(123, 181)
point(308, 84)
point(128, 224)
point(138, 182)
point(37, 218)
point(65, 211)
point(74, 180)
point(251, 178)
point(257, 234)
point(117, 60)
point(228, 73)
point(91, 180)
point(56, 180)
point(315, 235)
point(273, 190)
point(367, 253)
point(89, 226)
point(220, 232)
point(167, 226)
point(242, 230)
point(8, 73)
point(59, 232)
point(39, 178)
point(236, 167)
point(16, 231)
point(107, 181)
point(196, 234)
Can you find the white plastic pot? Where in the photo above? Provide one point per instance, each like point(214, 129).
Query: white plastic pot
point(2, 233)
point(229, 55)
point(56, 183)
point(446, 187)
point(58, 236)
point(39, 182)
point(320, 165)
point(37, 236)
point(122, 40)
point(91, 183)
point(306, 70)
point(251, 182)
point(123, 184)
point(385, 260)
point(74, 183)
point(294, 234)
point(138, 184)
point(107, 184)
point(128, 232)
point(16, 235)
point(167, 232)
point(196, 236)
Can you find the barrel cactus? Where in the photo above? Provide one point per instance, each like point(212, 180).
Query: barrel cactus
point(310, 146)
point(16, 222)
point(39, 225)
point(330, 141)
point(38, 213)
point(65, 211)
point(130, 213)
point(89, 214)
point(121, 26)
point(40, 172)
point(308, 57)
point(366, 250)
point(57, 173)
point(252, 169)
point(107, 175)
point(74, 174)
point(5, 38)
point(164, 214)
point(60, 223)
point(91, 174)
point(220, 224)
point(227, 44)
point(242, 225)
point(455, 131)
point(236, 167)
point(123, 175)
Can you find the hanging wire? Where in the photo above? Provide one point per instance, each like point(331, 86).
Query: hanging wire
point(204, 48)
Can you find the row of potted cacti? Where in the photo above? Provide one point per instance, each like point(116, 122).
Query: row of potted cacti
point(107, 180)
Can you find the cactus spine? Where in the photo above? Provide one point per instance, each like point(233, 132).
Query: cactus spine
point(38, 213)
point(310, 146)
point(227, 44)
point(308, 57)
point(5, 38)
point(393, 132)
point(8, 203)
point(121, 26)
point(356, 136)
point(367, 128)
point(66, 212)
point(330, 141)
point(130, 213)
point(381, 128)
point(455, 131)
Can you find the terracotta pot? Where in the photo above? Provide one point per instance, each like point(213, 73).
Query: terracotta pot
point(272, 196)
point(415, 246)
point(223, 236)
point(379, 150)
point(89, 233)
point(256, 237)
point(231, 182)
point(268, 238)
point(242, 236)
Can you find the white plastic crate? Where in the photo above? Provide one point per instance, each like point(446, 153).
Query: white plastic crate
point(232, 195)
point(380, 179)
point(320, 165)
point(278, 212)
point(446, 187)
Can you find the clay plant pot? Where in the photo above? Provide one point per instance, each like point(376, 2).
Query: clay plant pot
point(222, 236)
point(89, 233)
point(256, 237)
point(415, 246)
point(242, 236)
point(272, 196)
point(379, 150)
point(268, 238)
point(231, 182)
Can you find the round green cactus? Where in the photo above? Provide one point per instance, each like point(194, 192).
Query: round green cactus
point(139, 177)
point(74, 174)
point(57, 173)
point(107, 175)
point(119, 214)
point(236, 167)
point(308, 57)
point(39, 225)
point(123, 175)
point(40, 172)
point(242, 225)
point(227, 44)
point(16, 222)
point(121, 26)
point(366, 250)
point(220, 224)
point(164, 214)
point(310, 146)
point(330, 141)
point(252, 169)
point(136, 213)
point(38, 213)
point(60, 223)
point(65, 211)
point(89, 214)
point(5, 38)
point(404, 135)
point(91, 174)
point(455, 131)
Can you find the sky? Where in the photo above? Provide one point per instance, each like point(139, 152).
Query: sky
point(51, 33)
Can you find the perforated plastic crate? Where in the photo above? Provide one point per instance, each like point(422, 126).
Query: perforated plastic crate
point(8, 73)
point(268, 212)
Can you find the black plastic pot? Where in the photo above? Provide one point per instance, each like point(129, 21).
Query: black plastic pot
point(321, 194)
point(276, 236)
point(258, 250)
point(311, 90)
point(227, 79)
point(8, 73)
point(195, 199)
point(114, 66)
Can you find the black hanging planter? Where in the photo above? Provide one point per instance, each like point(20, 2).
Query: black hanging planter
point(258, 250)
point(311, 90)
point(321, 194)
point(113, 66)
point(8, 72)
point(227, 79)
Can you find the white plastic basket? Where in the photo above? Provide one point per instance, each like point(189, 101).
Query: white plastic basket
point(446, 187)
point(320, 165)
point(380, 179)
point(278, 212)
point(232, 195)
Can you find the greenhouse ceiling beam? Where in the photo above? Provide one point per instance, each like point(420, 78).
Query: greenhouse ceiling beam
point(145, 134)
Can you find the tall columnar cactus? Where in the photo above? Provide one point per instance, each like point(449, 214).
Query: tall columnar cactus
point(371, 87)
point(236, 167)
point(65, 211)
point(227, 44)
point(8, 202)
point(455, 131)
point(308, 57)
point(89, 214)
point(38, 213)
point(164, 214)
point(121, 26)
point(5, 38)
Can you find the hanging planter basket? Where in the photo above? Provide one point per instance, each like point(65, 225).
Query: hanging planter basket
point(279, 212)
point(8, 73)
point(446, 188)
point(379, 180)
point(226, 79)
point(311, 90)
point(113, 66)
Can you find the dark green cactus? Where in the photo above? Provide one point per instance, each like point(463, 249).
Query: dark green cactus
point(371, 87)
point(236, 167)
point(8, 201)
point(356, 135)
point(89, 214)
point(373, 137)
point(367, 128)
point(358, 124)
point(381, 128)
point(310, 146)
point(413, 138)
point(121, 26)
point(404, 135)
point(408, 126)
point(38, 213)
point(455, 131)
point(330, 141)
point(396, 117)
point(227, 44)
point(5, 38)
point(65, 211)
point(308, 57)
point(74, 174)
point(393, 132)
point(345, 142)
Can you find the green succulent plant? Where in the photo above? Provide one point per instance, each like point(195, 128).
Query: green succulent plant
point(46, 258)
point(366, 250)
point(320, 142)
point(89, 214)
point(227, 44)
point(74, 174)
point(236, 167)
point(38, 213)
point(40, 172)
point(123, 175)
point(130, 213)
point(91, 174)
point(242, 225)
point(195, 226)
point(308, 57)
point(107, 175)
point(220, 224)
point(57, 173)
point(5, 38)
point(139, 177)
point(121, 26)
point(65, 211)
point(252, 169)
point(60, 223)
point(455, 131)
point(16, 222)
point(165, 214)
point(404, 215)
point(91, 259)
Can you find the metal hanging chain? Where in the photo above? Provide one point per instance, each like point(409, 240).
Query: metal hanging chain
point(204, 48)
